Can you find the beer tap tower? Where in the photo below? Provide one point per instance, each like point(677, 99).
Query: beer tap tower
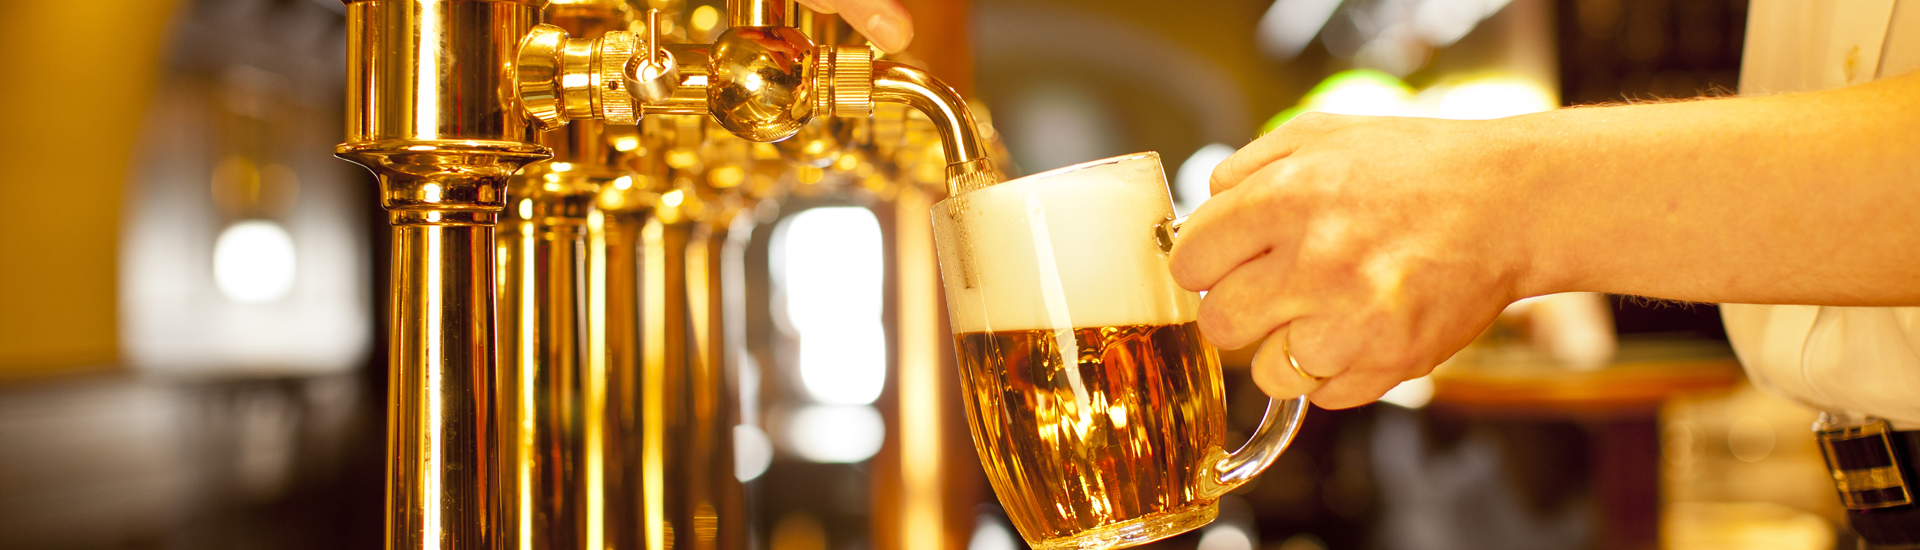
point(443, 100)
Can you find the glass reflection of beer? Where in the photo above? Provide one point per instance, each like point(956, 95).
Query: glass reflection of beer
point(1095, 404)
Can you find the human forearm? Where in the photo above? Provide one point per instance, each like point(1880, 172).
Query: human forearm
point(1805, 198)
point(1368, 249)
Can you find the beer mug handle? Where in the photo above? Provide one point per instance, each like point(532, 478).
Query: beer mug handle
point(1276, 430)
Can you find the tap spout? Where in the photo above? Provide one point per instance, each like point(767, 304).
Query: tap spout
point(968, 167)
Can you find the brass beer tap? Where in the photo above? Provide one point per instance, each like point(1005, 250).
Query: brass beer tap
point(444, 97)
point(762, 80)
point(553, 376)
point(427, 116)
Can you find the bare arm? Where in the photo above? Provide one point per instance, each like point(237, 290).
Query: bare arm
point(1383, 245)
point(1806, 199)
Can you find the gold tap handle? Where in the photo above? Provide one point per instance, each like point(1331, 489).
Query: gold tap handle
point(559, 78)
point(654, 78)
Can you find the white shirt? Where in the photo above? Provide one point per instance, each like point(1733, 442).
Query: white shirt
point(1860, 360)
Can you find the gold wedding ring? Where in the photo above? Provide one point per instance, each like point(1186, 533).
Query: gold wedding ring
point(1286, 348)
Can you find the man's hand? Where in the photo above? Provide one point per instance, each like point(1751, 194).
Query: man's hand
point(1374, 248)
point(883, 22)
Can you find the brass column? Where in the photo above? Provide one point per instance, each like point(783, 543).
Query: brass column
point(555, 387)
point(667, 474)
point(714, 383)
point(625, 206)
point(426, 115)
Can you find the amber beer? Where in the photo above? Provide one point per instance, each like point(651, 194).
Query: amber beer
point(1119, 436)
point(1095, 404)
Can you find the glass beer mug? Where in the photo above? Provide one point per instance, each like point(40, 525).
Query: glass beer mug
point(1094, 403)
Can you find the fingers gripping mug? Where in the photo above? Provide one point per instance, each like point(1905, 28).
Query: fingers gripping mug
point(1095, 405)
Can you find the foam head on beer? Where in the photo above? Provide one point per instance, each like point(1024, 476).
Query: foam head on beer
point(1063, 249)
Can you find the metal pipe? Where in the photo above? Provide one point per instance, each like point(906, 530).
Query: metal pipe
point(759, 13)
point(541, 262)
point(442, 428)
point(619, 346)
point(968, 167)
point(617, 308)
point(426, 116)
point(713, 395)
point(556, 387)
point(668, 507)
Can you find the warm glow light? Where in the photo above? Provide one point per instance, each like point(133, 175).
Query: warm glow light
point(1495, 98)
point(1443, 22)
point(808, 174)
point(835, 433)
point(623, 182)
point(1411, 394)
point(682, 159)
point(596, 398)
point(752, 452)
point(526, 209)
point(704, 18)
point(844, 362)
point(562, 166)
point(253, 262)
point(1289, 25)
point(831, 274)
point(1360, 92)
point(1192, 184)
point(673, 198)
point(726, 176)
point(626, 143)
point(919, 397)
point(1751, 438)
point(1224, 536)
point(990, 534)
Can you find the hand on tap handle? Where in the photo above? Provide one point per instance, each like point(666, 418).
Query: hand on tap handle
point(884, 22)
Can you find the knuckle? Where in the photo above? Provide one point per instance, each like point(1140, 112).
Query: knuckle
point(1275, 378)
point(1181, 264)
point(1223, 175)
point(1269, 382)
point(1219, 326)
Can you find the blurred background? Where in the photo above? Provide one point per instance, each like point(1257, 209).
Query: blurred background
point(191, 296)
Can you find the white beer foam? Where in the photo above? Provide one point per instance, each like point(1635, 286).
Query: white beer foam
point(1070, 248)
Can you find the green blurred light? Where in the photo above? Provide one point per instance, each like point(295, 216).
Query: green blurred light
point(1340, 88)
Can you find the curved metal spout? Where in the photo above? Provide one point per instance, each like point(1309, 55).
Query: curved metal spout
point(968, 167)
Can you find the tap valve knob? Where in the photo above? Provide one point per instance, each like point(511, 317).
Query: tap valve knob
point(559, 78)
point(846, 81)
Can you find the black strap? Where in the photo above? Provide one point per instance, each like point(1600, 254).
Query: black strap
point(1874, 471)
